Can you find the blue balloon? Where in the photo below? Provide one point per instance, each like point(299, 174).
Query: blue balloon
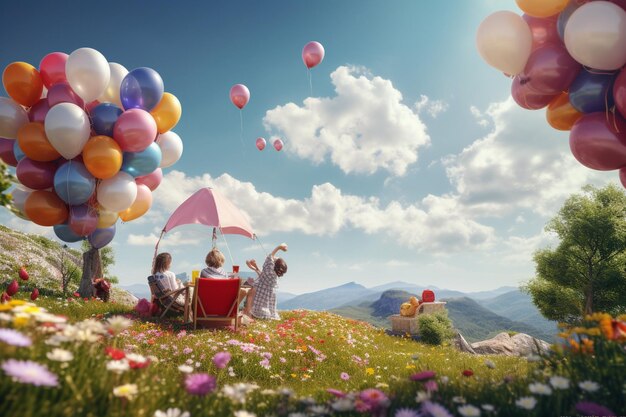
point(142, 163)
point(591, 93)
point(18, 152)
point(73, 183)
point(101, 237)
point(565, 15)
point(65, 233)
point(103, 118)
point(142, 88)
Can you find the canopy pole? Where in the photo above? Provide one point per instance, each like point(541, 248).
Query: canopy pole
point(232, 262)
point(262, 247)
point(214, 239)
point(156, 248)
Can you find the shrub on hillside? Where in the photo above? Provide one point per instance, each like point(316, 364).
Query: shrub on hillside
point(435, 328)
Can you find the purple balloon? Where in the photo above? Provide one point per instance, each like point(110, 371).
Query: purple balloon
point(6, 152)
point(83, 219)
point(550, 70)
point(63, 93)
point(543, 30)
point(598, 141)
point(619, 92)
point(526, 98)
point(35, 174)
point(38, 112)
point(102, 237)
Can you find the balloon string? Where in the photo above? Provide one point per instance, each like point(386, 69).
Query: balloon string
point(241, 132)
point(308, 70)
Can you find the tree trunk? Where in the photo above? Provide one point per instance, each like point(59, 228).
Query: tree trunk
point(589, 294)
point(92, 268)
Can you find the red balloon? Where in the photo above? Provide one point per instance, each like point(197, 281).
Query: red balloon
point(35, 174)
point(6, 151)
point(544, 30)
point(239, 95)
point(135, 130)
point(278, 144)
point(63, 93)
point(550, 69)
point(619, 92)
point(260, 144)
point(598, 141)
point(526, 98)
point(38, 112)
point(312, 54)
point(52, 68)
point(152, 180)
point(622, 176)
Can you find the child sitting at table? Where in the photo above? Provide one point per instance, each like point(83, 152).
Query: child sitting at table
point(261, 301)
point(214, 261)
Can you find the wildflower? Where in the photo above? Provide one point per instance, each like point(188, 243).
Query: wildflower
point(186, 369)
point(221, 359)
point(265, 363)
point(60, 355)
point(238, 392)
point(589, 386)
point(369, 371)
point(336, 392)
point(200, 384)
point(422, 396)
point(29, 372)
point(187, 351)
point(469, 411)
point(128, 391)
point(593, 409)
point(444, 380)
point(431, 386)
point(171, 412)
point(435, 410)
point(559, 382)
point(321, 410)
point(488, 407)
point(527, 403)
point(458, 399)
point(423, 376)
point(136, 361)
point(115, 354)
point(343, 404)
point(344, 376)
point(606, 326)
point(118, 367)
point(468, 372)
point(118, 324)
point(406, 412)
point(490, 364)
point(539, 388)
point(374, 398)
point(14, 338)
point(244, 413)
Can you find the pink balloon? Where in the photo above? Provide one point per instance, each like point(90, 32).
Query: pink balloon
point(278, 144)
point(38, 112)
point(35, 174)
point(152, 180)
point(52, 68)
point(597, 144)
point(544, 30)
point(83, 219)
point(619, 92)
point(550, 69)
point(135, 130)
point(260, 144)
point(63, 93)
point(312, 54)
point(622, 177)
point(6, 151)
point(528, 99)
point(239, 95)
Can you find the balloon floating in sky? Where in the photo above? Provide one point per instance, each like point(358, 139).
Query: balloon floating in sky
point(260, 144)
point(570, 57)
point(312, 54)
point(239, 95)
point(278, 144)
point(79, 147)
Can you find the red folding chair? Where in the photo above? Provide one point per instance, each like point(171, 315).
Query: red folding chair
point(216, 300)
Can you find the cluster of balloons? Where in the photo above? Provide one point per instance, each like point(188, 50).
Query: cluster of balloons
point(568, 56)
point(312, 55)
point(88, 139)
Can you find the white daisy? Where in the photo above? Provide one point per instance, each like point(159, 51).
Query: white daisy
point(118, 367)
point(527, 403)
point(171, 412)
point(60, 355)
point(539, 388)
point(589, 386)
point(469, 411)
point(559, 382)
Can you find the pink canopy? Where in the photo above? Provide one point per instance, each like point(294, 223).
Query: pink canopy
point(207, 206)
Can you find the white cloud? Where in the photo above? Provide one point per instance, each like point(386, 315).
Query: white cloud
point(433, 107)
point(479, 116)
point(363, 129)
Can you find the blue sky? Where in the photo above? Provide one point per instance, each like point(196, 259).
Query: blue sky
point(409, 161)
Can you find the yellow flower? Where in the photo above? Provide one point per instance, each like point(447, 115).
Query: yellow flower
point(20, 321)
point(409, 367)
point(370, 371)
point(293, 375)
point(16, 303)
point(5, 307)
point(606, 327)
point(126, 391)
point(32, 310)
point(593, 331)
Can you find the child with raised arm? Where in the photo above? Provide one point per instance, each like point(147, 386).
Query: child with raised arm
point(261, 301)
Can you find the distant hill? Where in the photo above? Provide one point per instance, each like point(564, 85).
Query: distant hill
point(474, 321)
point(518, 306)
point(326, 299)
point(138, 290)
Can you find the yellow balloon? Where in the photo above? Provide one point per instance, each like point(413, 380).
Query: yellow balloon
point(106, 218)
point(542, 8)
point(142, 204)
point(167, 112)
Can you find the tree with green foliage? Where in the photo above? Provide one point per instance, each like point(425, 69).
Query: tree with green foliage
point(586, 272)
point(6, 181)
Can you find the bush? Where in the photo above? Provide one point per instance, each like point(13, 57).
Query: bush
point(435, 328)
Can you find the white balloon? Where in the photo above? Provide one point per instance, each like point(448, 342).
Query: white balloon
point(595, 35)
point(18, 197)
point(118, 192)
point(504, 41)
point(12, 117)
point(171, 148)
point(112, 92)
point(88, 73)
point(67, 128)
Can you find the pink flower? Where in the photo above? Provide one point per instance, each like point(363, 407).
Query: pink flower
point(374, 398)
point(200, 384)
point(221, 359)
point(431, 386)
point(423, 376)
point(593, 409)
point(345, 376)
point(187, 350)
point(336, 392)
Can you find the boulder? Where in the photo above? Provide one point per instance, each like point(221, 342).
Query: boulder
point(519, 344)
point(461, 344)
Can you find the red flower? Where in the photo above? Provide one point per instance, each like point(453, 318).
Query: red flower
point(76, 294)
point(138, 365)
point(468, 372)
point(115, 354)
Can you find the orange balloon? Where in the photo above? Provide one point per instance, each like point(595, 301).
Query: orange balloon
point(23, 83)
point(142, 204)
point(542, 8)
point(167, 113)
point(102, 156)
point(45, 208)
point(561, 114)
point(35, 144)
